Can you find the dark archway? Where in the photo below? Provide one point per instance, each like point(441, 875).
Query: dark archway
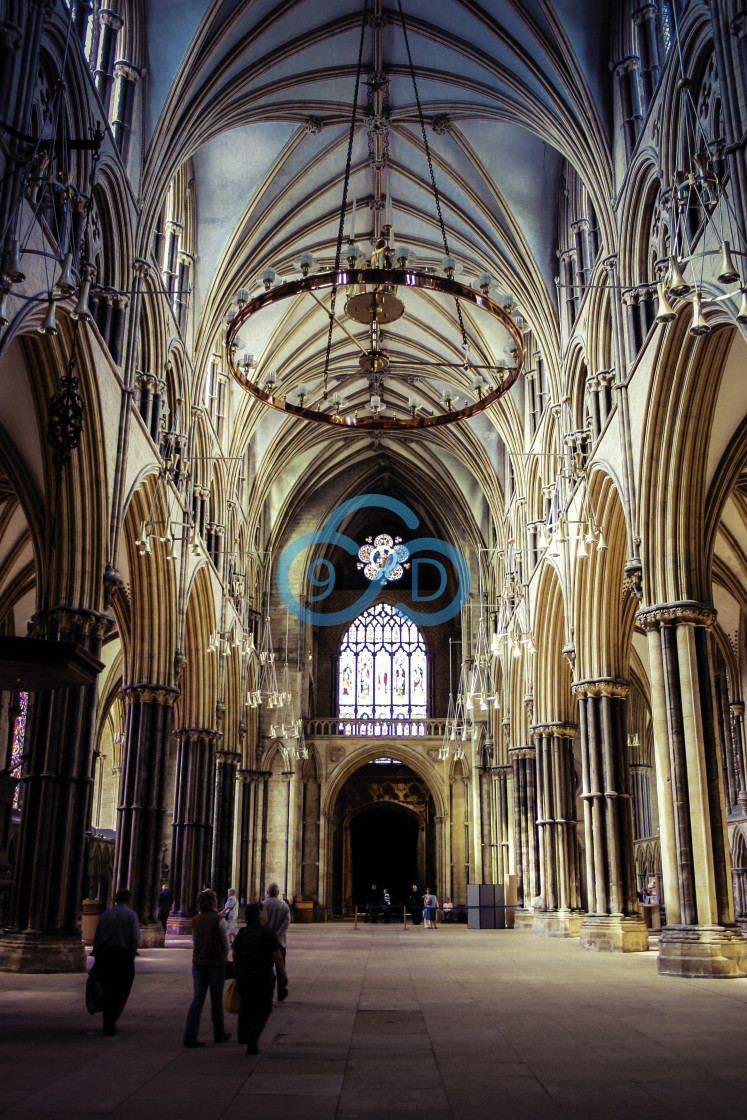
point(384, 851)
point(383, 833)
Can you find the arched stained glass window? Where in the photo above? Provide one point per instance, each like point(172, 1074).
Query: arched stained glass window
point(383, 672)
point(19, 733)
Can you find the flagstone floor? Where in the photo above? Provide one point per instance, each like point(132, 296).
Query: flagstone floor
point(387, 1023)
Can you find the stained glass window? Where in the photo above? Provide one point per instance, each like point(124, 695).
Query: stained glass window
point(19, 731)
point(383, 672)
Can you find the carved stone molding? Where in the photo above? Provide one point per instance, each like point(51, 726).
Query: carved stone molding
point(335, 755)
point(441, 124)
point(669, 614)
point(603, 686)
point(313, 126)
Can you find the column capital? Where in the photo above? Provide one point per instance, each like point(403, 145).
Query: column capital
point(149, 694)
point(125, 69)
point(78, 621)
point(562, 729)
point(524, 751)
point(195, 734)
point(227, 756)
point(141, 268)
point(624, 65)
point(109, 18)
point(688, 612)
point(603, 686)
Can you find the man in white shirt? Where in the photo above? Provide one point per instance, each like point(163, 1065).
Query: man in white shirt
point(278, 919)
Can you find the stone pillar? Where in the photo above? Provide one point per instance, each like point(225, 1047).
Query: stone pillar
point(626, 73)
point(142, 801)
point(502, 774)
point(700, 938)
point(111, 24)
point(592, 385)
point(613, 922)
point(648, 48)
point(439, 870)
point(560, 912)
point(247, 785)
point(193, 817)
point(526, 850)
point(127, 78)
point(640, 779)
point(485, 777)
point(226, 768)
point(43, 930)
point(736, 710)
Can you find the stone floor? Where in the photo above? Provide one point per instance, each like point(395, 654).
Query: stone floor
point(388, 1023)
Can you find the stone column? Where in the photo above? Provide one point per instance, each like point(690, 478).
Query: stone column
point(226, 769)
point(502, 775)
point(43, 929)
point(700, 938)
point(193, 817)
point(526, 849)
point(613, 922)
point(485, 777)
point(736, 710)
point(111, 24)
point(247, 784)
point(640, 778)
point(560, 912)
point(142, 801)
point(439, 870)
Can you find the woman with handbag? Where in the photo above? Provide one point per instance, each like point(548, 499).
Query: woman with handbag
point(256, 954)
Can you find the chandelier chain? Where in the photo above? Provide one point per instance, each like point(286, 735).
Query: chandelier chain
point(346, 184)
point(436, 195)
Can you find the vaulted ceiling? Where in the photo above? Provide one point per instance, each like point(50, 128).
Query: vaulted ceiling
point(258, 96)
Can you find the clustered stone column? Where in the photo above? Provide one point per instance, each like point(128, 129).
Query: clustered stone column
point(613, 921)
point(226, 770)
point(43, 933)
point(560, 912)
point(700, 938)
point(193, 818)
point(526, 848)
point(142, 801)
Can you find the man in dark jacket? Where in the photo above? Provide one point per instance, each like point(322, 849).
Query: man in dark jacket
point(115, 946)
point(209, 956)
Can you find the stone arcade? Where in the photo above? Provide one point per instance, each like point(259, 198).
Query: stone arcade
point(590, 179)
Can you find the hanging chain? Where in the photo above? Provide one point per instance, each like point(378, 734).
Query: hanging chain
point(348, 160)
point(430, 166)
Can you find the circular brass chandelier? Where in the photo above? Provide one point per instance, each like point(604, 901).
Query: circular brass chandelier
point(375, 292)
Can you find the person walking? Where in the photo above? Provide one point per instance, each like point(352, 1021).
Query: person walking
point(115, 946)
point(230, 913)
point(278, 919)
point(255, 951)
point(209, 956)
point(430, 906)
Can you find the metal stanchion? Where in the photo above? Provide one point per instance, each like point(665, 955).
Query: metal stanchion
point(404, 916)
point(356, 918)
